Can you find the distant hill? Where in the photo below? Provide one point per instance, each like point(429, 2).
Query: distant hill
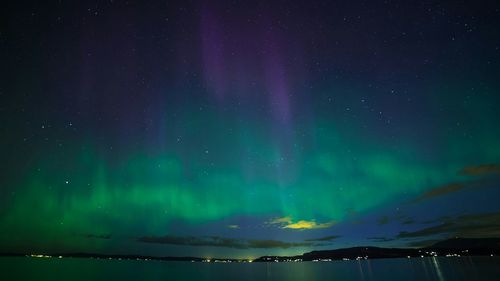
point(450, 247)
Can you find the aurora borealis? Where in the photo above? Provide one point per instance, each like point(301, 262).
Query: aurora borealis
point(238, 129)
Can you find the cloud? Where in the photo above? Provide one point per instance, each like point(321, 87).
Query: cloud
point(470, 226)
point(283, 220)
point(302, 224)
point(438, 220)
point(422, 243)
point(98, 236)
point(287, 222)
point(215, 241)
point(383, 220)
point(481, 170)
point(381, 239)
point(408, 221)
point(326, 238)
point(433, 230)
point(275, 244)
point(439, 191)
point(233, 226)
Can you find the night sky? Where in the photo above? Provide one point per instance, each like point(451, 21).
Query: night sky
point(239, 128)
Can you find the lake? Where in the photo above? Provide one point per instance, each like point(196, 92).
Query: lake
point(421, 269)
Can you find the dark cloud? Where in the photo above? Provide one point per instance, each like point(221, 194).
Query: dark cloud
point(423, 243)
point(408, 221)
point(274, 244)
point(433, 230)
point(438, 220)
point(326, 238)
point(471, 226)
point(439, 191)
point(383, 220)
point(215, 241)
point(492, 218)
point(481, 170)
point(98, 236)
point(381, 239)
point(401, 218)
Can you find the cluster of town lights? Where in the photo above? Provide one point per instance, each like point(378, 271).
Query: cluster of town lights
point(267, 259)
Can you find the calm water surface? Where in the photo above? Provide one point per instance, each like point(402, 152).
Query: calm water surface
point(421, 269)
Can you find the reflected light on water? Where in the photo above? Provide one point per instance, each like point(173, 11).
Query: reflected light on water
point(435, 262)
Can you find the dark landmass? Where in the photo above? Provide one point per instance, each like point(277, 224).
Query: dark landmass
point(451, 248)
point(120, 257)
